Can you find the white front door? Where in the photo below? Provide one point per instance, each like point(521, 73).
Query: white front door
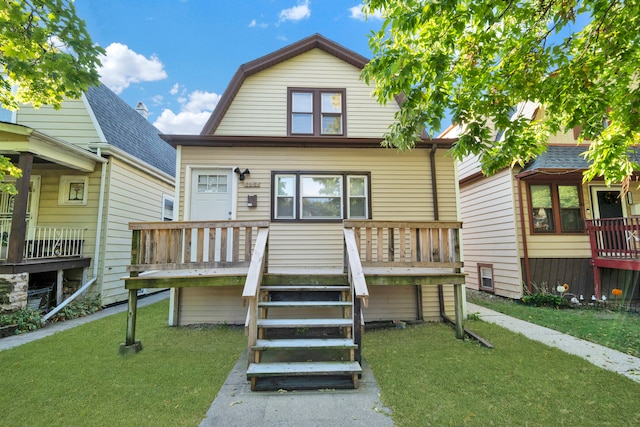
point(211, 195)
point(211, 200)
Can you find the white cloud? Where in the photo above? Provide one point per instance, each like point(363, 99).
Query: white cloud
point(122, 66)
point(194, 113)
point(174, 89)
point(256, 24)
point(296, 13)
point(358, 13)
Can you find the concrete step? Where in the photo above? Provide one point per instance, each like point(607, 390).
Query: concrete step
point(302, 369)
point(307, 343)
point(304, 323)
point(304, 304)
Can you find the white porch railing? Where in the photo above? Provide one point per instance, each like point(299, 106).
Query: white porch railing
point(45, 241)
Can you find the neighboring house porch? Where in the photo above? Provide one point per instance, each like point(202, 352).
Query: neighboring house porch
point(42, 252)
point(299, 322)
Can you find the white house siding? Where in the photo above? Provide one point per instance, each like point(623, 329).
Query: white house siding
point(400, 190)
point(489, 232)
point(260, 106)
point(132, 196)
point(50, 213)
point(71, 123)
point(468, 166)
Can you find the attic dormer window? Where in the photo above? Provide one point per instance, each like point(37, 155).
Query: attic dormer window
point(316, 112)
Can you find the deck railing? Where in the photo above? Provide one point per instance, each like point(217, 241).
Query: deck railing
point(617, 238)
point(407, 244)
point(179, 245)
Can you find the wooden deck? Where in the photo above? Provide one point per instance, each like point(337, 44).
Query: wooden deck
point(235, 253)
point(615, 243)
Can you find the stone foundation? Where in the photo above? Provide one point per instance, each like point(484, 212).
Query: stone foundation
point(13, 291)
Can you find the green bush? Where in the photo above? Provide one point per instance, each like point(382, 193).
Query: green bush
point(78, 308)
point(26, 319)
point(544, 300)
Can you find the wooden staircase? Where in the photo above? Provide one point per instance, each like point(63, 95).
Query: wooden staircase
point(304, 338)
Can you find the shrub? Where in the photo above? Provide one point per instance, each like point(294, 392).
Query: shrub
point(78, 308)
point(26, 319)
point(544, 300)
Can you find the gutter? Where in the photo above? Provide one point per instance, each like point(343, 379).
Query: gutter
point(98, 244)
point(108, 149)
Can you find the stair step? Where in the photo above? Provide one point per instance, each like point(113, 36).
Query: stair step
point(304, 323)
point(323, 343)
point(303, 368)
point(303, 288)
point(306, 304)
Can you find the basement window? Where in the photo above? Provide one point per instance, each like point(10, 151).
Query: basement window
point(485, 277)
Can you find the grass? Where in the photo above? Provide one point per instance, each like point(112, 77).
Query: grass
point(618, 330)
point(77, 377)
point(428, 378)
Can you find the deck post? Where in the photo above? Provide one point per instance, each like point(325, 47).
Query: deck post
point(597, 281)
point(457, 296)
point(131, 345)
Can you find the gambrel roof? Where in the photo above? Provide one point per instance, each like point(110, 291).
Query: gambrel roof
point(315, 41)
point(124, 128)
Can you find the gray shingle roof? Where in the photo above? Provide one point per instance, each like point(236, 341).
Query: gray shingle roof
point(560, 157)
point(126, 129)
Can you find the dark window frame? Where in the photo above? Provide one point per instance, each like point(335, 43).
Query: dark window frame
point(298, 197)
point(555, 206)
point(316, 110)
point(480, 277)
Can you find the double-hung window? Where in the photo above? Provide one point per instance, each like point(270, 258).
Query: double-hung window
point(320, 196)
point(556, 208)
point(316, 112)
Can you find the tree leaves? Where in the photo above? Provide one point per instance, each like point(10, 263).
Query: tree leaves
point(479, 60)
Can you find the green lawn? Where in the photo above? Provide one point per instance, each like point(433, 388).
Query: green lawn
point(613, 329)
point(78, 378)
point(429, 378)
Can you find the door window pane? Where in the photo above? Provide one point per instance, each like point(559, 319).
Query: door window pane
point(212, 183)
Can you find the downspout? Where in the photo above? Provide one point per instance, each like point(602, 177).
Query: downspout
point(96, 254)
point(434, 183)
point(525, 250)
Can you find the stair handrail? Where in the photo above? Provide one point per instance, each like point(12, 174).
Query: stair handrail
point(251, 288)
point(354, 265)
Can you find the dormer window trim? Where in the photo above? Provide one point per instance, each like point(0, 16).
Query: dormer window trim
point(317, 106)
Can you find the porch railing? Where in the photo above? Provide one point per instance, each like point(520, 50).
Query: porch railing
point(428, 244)
point(180, 245)
point(45, 241)
point(615, 238)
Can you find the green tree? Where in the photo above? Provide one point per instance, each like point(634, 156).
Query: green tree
point(46, 55)
point(478, 59)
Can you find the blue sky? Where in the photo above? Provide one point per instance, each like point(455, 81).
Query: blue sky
point(178, 56)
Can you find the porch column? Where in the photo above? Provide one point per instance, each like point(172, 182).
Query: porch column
point(131, 345)
point(15, 251)
point(457, 296)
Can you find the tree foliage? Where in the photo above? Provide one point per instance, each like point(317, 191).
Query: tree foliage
point(46, 53)
point(478, 60)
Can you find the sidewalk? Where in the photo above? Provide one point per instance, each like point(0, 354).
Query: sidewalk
point(603, 357)
point(16, 340)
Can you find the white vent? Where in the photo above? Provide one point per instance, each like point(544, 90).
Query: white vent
point(142, 109)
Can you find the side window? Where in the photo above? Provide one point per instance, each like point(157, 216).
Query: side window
point(556, 208)
point(167, 208)
point(485, 277)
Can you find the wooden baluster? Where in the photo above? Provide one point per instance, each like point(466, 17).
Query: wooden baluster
point(235, 251)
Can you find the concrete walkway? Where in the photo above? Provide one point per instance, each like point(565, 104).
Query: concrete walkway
point(603, 357)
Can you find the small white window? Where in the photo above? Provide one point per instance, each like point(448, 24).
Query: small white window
point(485, 275)
point(73, 190)
point(358, 207)
point(167, 208)
point(285, 205)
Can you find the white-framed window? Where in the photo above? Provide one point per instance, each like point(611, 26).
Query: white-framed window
point(308, 196)
point(212, 183)
point(316, 112)
point(485, 276)
point(73, 190)
point(167, 208)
